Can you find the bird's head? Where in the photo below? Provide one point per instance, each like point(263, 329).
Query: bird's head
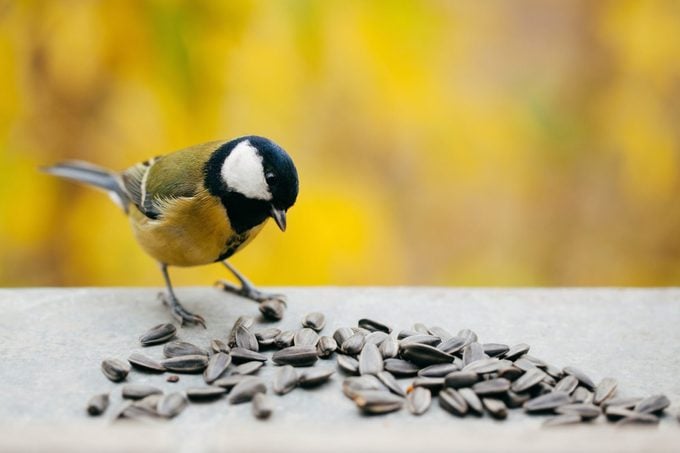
point(255, 178)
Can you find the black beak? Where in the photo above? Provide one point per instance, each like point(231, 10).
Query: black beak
point(279, 215)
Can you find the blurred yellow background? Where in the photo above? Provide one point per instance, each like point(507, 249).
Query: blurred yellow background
point(438, 142)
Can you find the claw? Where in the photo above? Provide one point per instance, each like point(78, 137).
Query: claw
point(249, 292)
point(180, 313)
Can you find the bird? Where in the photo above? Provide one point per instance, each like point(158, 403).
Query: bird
point(199, 205)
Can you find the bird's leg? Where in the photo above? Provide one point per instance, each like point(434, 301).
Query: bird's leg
point(247, 289)
point(178, 311)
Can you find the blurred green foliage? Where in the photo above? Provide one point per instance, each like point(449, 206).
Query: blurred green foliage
point(438, 142)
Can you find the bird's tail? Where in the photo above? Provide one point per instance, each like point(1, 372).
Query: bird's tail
point(93, 175)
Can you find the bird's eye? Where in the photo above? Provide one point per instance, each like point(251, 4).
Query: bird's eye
point(270, 177)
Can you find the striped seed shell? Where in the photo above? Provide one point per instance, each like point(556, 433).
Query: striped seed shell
point(419, 400)
point(353, 345)
point(342, 334)
point(370, 360)
point(495, 407)
point(435, 384)
point(581, 376)
point(389, 348)
point(452, 345)
point(178, 348)
point(219, 346)
point(653, 404)
point(604, 390)
point(326, 346)
point(145, 363)
point(468, 335)
point(217, 365)
point(391, 383)
point(186, 363)
point(372, 325)
point(230, 381)
point(97, 404)
point(158, 334)
point(472, 353)
point(171, 405)
point(348, 364)
point(306, 337)
point(582, 395)
point(248, 368)
point(315, 321)
point(567, 384)
point(273, 309)
point(375, 338)
point(378, 402)
point(440, 332)
point(284, 339)
point(285, 380)
point(240, 355)
point(246, 389)
point(438, 370)
point(296, 356)
point(491, 387)
point(262, 406)
point(422, 354)
point(267, 337)
point(563, 420)
point(472, 400)
point(207, 392)
point(421, 338)
point(452, 401)
point(547, 402)
point(401, 368)
point(529, 379)
point(314, 377)
point(495, 349)
point(246, 339)
point(115, 370)
point(458, 379)
point(351, 386)
point(585, 411)
point(516, 351)
point(627, 402)
point(139, 391)
point(484, 366)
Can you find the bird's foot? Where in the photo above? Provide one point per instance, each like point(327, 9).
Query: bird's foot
point(249, 292)
point(180, 313)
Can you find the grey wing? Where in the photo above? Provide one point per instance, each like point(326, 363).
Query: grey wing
point(135, 180)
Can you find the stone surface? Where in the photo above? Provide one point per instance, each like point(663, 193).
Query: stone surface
point(53, 340)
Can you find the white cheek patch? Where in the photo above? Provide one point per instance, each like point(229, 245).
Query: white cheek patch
point(243, 173)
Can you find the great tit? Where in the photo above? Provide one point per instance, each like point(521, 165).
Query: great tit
point(199, 205)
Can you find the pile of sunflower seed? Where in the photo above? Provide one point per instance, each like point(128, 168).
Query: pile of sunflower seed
point(466, 376)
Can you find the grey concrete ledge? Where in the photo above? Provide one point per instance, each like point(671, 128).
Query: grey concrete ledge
point(53, 340)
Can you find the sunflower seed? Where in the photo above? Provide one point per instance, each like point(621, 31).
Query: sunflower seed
point(495, 349)
point(406, 333)
point(401, 368)
point(373, 326)
point(97, 404)
point(205, 393)
point(315, 321)
point(581, 395)
point(342, 334)
point(186, 364)
point(296, 356)
point(510, 373)
point(158, 334)
point(135, 411)
point(562, 420)
point(581, 376)
point(422, 354)
point(528, 380)
point(353, 345)
point(419, 400)
point(240, 355)
point(273, 309)
point(179, 348)
point(451, 401)
point(628, 402)
point(431, 383)
point(262, 406)
point(391, 383)
point(495, 408)
point(325, 347)
point(248, 368)
point(314, 377)
point(378, 402)
point(230, 381)
point(458, 379)
point(420, 338)
point(375, 338)
point(267, 337)
point(452, 345)
point(472, 400)
point(219, 346)
point(284, 339)
point(306, 337)
point(246, 389)
point(370, 360)
point(604, 390)
point(437, 331)
point(638, 419)
point(149, 403)
point(348, 364)
point(468, 335)
point(484, 366)
point(516, 351)
point(420, 328)
point(491, 387)
point(285, 380)
point(246, 339)
point(352, 386)
point(389, 348)
point(547, 402)
point(654, 404)
point(139, 391)
point(524, 364)
point(438, 370)
point(614, 413)
point(554, 372)
point(473, 353)
point(585, 411)
point(171, 405)
point(217, 365)
point(513, 400)
point(567, 384)
point(145, 363)
point(115, 370)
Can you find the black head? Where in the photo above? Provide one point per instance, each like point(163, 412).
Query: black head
point(255, 178)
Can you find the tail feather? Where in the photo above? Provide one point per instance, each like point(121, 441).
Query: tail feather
point(93, 175)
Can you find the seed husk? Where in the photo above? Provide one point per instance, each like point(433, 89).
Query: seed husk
point(205, 393)
point(285, 380)
point(491, 387)
point(639, 419)
point(406, 333)
point(230, 381)
point(516, 351)
point(420, 338)
point(401, 368)
point(352, 386)
point(614, 413)
point(581, 376)
point(422, 354)
point(510, 373)
point(240, 355)
point(171, 405)
point(245, 321)
point(248, 368)
point(219, 346)
point(391, 383)
point(326, 346)
point(342, 334)
point(246, 339)
point(547, 402)
point(567, 384)
point(377, 402)
point(145, 363)
point(627, 402)
point(585, 411)
point(495, 349)
point(555, 372)
point(468, 335)
point(315, 321)
point(418, 401)
point(115, 370)
point(136, 411)
point(273, 309)
point(186, 364)
point(158, 334)
point(472, 353)
point(513, 400)
point(496, 408)
point(372, 325)
point(348, 364)
point(262, 406)
point(581, 395)
point(217, 365)
point(178, 348)
point(353, 345)
point(296, 356)
point(267, 337)
point(149, 403)
point(440, 332)
point(438, 370)
point(524, 364)
point(458, 379)
point(314, 377)
point(653, 404)
point(389, 348)
point(452, 401)
point(562, 420)
point(246, 389)
point(472, 400)
point(97, 404)
point(370, 360)
point(139, 391)
point(604, 390)
point(433, 384)
point(284, 339)
point(484, 366)
point(375, 338)
point(529, 379)
point(452, 345)
point(420, 328)
point(306, 337)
